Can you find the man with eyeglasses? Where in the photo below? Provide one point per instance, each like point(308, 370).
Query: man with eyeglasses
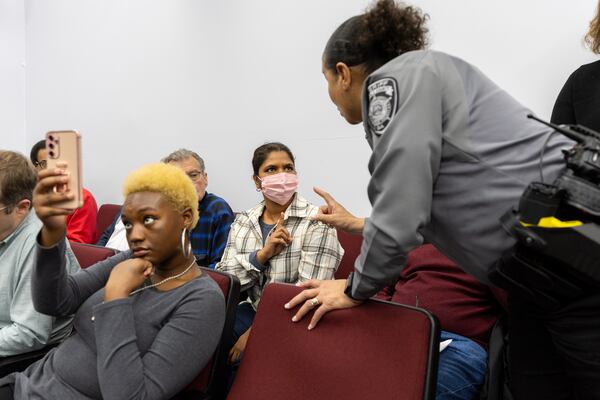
point(81, 225)
point(209, 237)
point(22, 329)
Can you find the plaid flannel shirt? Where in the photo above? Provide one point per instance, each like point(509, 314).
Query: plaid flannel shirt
point(209, 237)
point(314, 253)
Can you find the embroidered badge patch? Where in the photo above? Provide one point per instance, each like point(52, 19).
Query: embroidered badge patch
point(383, 103)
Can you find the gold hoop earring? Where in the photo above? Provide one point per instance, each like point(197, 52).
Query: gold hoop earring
point(187, 250)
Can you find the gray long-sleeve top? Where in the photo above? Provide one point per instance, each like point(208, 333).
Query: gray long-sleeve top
point(452, 152)
point(22, 328)
point(148, 346)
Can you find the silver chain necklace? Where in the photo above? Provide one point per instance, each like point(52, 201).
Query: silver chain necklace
point(179, 275)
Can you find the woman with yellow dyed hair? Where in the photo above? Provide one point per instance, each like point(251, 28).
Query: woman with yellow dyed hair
point(146, 320)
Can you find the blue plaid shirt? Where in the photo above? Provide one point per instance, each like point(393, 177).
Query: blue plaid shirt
point(209, 237)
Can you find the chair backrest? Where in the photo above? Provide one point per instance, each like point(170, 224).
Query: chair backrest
point(351, 244)
point(212, 381)
point(89, 254)
point(106, 215)
point(375, 351)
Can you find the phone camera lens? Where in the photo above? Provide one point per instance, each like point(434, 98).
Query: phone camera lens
point(51, 145)
point(50, 137)
point(51, 154)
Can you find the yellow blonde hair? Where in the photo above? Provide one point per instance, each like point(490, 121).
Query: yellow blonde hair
point(167, 180)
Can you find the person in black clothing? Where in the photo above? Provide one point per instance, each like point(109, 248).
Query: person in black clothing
point(579, 100)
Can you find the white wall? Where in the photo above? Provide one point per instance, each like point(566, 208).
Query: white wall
point(12, 75)
point(141, 78)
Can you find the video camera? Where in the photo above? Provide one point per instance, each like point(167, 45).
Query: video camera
point(557, 226)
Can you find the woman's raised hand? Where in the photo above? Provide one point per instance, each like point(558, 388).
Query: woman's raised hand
point(45, 200)
point(277, 241)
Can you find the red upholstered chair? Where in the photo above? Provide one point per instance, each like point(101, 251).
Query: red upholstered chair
point(378, 350)
point(212, 381)
point(106, 214)
point(88, 254)
point(351, 244)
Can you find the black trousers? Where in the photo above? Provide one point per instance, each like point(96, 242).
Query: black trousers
point(555, 353)
point(6, 392)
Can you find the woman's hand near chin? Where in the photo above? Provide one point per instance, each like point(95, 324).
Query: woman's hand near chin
point(277, 241)
point(125, 277)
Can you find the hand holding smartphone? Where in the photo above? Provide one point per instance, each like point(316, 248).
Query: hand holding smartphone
point(63, 149)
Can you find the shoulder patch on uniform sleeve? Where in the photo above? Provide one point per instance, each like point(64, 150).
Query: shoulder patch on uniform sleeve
point(383, 103)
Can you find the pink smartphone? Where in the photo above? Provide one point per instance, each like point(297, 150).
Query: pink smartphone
point(65, 146)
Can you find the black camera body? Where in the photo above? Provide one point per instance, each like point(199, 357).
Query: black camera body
point(581, 180)
point(557, 228)
point(575, 193)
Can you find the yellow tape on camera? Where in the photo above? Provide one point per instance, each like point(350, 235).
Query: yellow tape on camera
point(553, 222)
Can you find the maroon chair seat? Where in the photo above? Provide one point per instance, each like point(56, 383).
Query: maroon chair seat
point(212, 380)
point(89, 254)
point(430, 280)
point(462, 304)
point(379, 350)
point(351, 244)
point(106, 215)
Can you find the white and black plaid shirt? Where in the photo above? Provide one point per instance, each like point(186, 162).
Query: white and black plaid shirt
point(314, 253)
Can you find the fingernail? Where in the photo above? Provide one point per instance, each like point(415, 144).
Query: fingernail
point(294, 318)
point(310, 327)
point(286, 305)
point(298, 284)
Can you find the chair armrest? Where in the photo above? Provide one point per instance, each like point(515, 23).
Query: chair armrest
point(19, 362)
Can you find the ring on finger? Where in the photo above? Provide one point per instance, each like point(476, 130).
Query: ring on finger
point(314, 302)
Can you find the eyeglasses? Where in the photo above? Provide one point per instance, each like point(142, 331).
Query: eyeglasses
point(195, 175)
point(41, 164)
point(4, 208)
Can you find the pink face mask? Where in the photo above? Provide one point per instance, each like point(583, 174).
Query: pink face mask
point(279, 187)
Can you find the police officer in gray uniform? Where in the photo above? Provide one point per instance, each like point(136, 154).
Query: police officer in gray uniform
point(452, 152)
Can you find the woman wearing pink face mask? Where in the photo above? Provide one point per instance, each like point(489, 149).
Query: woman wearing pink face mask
point(276, 241)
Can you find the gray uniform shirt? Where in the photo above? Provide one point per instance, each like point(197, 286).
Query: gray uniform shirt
point(22, 328)
point(452, 152)
point(148, 346)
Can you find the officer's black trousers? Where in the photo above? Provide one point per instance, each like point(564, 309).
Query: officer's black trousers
point(6, 392)
point(555, 354)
